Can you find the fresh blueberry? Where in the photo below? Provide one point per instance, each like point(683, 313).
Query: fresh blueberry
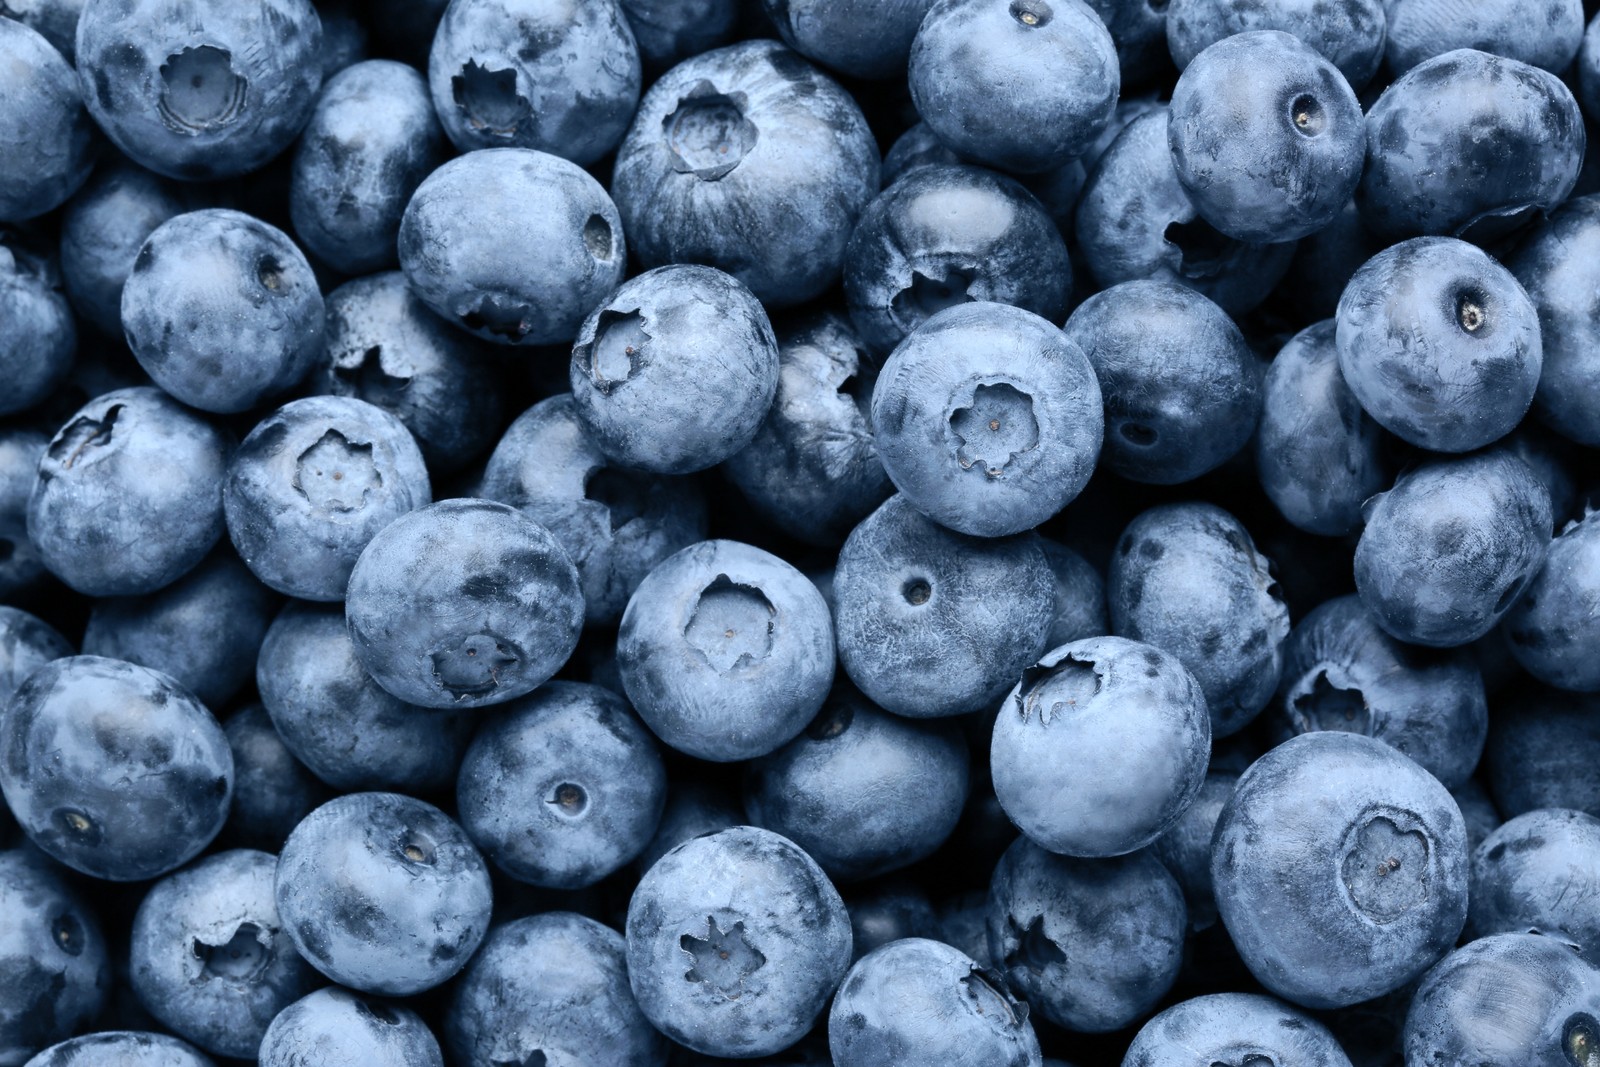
point(1139, 29)
point(1588, 69)
point(675, 371)
point(1478, 810)
point(55, 20)
point(1243, 1028)
point(48, 136)
point(1545, 33)
point(964, 924)
point(200, 90)
point(311, 486)
point(1186, 848)
point(371, 141)
point(1540, 873)
point(121, 1048)
point(1349, 35)
point(26, 644)
point(383, 893)
point(1080, 596)
point(113, 769)
point(335, 1026)
point(934, 623)
point(945, 235)
point(346, 39)
point(1553, 630)
point(551, 75)
point(272, 791)
point(1541, 752)
point(726, 651)
point(670, 31)
point(1019, 84)
point(1082, 964)
point(1182, 389)
point(917, 147)
point(1100, 747)
point(736, 940)
point(748, 159)
point(513, 245)
point(404, 605)
point(550, 989)
point(889, 909)
point(222, 310)
point(209, 957)
point(862, 791)
point(921, 1001)
point(339, 722)
point(1340, 869)
point(1448, 550)
point(1323, 265)
point(860, 38)
point(21, 569)
point(693, 809)
point(40, 339)
point(102, 230)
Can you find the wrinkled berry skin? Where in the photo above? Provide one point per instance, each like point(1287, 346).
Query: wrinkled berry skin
point(512, 245)
point(102, 229)
point(763, 933)
point(1340, 869)
point(53, 956)
point(1233, 1026)
point(861, 38)
point(1448, 550)
point(1539, 872)
point(26, 644)
point(121, 1048)
point(1511, 1000)
point(208, 956)
point(272, 790)
point(403, 605)
point(963, 1014)
point(670, 31)
point(1100, 747)
point(1544, 33)
point(371, 141)
point(726, 651)
point(200, 91)
point(222, 310)
point(551, 75)
point(48, 138)
point(1469, 143)
point(675, 371)
point(383, 893)
point(1319, 455)
point(944, 235)
point(1440, 344)
point(40, 340)
point(334, 1025)
point(1182, 389)
point(1539, 753)
point(1083, 967)
point(113, 769)
point(1349, 35)
point(540, 985)
point(750, 160)
point(1554, 627)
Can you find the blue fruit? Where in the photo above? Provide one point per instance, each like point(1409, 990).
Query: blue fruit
point(1553, 629)
point(890, 909)
point(1541, 752)
point(1233, 1026)
point(1139, 29)
point(1349, 35)
point(1478, 811)
point(1538, 873)
point(1185, 849)
point(693, 809)
point(334, 1025)
point(917, 147)
point(1080, 596)
point(40, 341)
point(272, 791)
point(1545, 33)
point(861, 38)
point(102, 229)
point(670, 31)
point(21, 569)
point(48, 135)
point(121, 1048)
point(26, 644)
point(55, 20)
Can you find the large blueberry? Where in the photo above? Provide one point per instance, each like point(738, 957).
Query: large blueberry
point(48, 136)
point(405, 605)
point(383, 893)
point(334, 1025)
point(121, 1048)
point(670, 31)
point(1541, 752)
point(26, 644)
point(1340, 869)
point(1545, 33)
point(272, 790)
point(113, 769)
point(860, 38)
point(1349, 35)
point(1553, 630)
point(726, 651)
point(888, 910)
point(1244, 1028)
point(1540, 873)
point(750, 160)
point(40, 339)
point(736, 940)
point(1186, 848)
point(102, 230)
point(56, 21)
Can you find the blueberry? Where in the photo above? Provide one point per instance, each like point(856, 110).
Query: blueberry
point(1243, 1028)
point(1554, 627)
point(1080, 596)
point(1545, 33)
point(371, 141)
point(964, 1015)
point(675, 371)
point(563, 787)
point(693, 809)
point(512, 245)
point(1448, 550)
point(410, 633)
point(1538, 874)
point(1512, 1000)
point(1047, 910)
point(551, 988)
point(1100, 747)
point(113, 769)
point(383, 893)
point(272, 791)
point(121, 1048)
point(1478, 810)
point(1541, 753)
point(1342, 672)
point(862, 791)
point(1019, 84)
point(21, 569)
point(26, 644)
point(812, 468)
point(209, 957)
point(334, 1025)
point(1469, 144)
point(933, 623)
point(670, 31)
point(222, 310)
point(1440, 344)
point(339, 722)
point(889, 909)
point(1139, 29)
point(1340, 869)
point(964, 924)
point(345, 38)
point(1349, 35)
point(917, 147)
point(861, 38)
point(37, 347)
point(736, 940)
point(1185, 849)
point(48, 135)
point(1182, 389)
point(551, 75)
point(726, 651)
point(55, 20)
point(311, 486)
point(1588, 69)
point(748, 159)
point(53, 956)
point(199, 91)
point(1319, 455)
point(102, 229)
point(1188, 579)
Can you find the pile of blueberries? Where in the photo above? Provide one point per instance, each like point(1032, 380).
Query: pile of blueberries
point(870, 533)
